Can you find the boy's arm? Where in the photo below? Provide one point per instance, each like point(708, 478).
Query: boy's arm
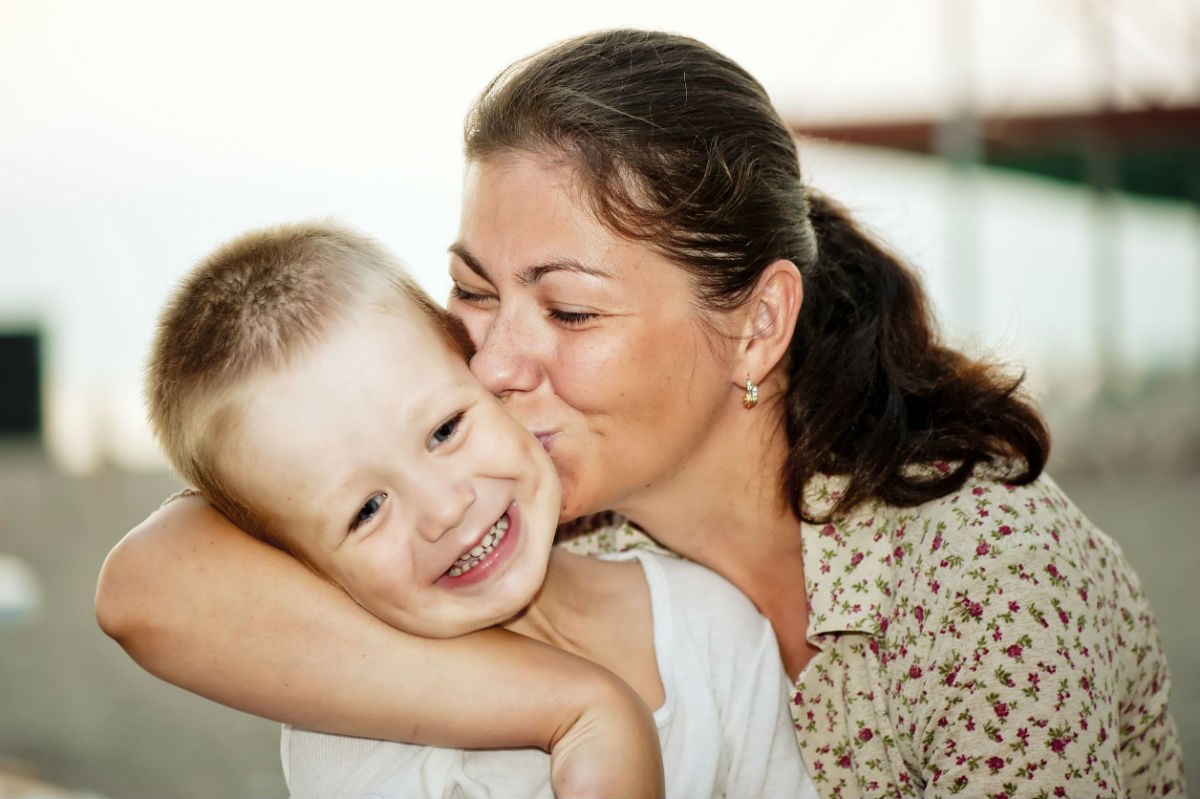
point(200, 604)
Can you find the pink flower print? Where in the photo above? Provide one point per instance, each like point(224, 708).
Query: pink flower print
point(1000, 709)
point(995, 763)
point(856, 558)
point(1013, 606)
point(982, 549)
point(865, 734)
point(953, 675)
point(1014, 651)
point(977, 491)
point(914, 671)
point(1005, 530)
point(919, 612)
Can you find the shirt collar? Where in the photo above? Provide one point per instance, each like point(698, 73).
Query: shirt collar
point(847, 563)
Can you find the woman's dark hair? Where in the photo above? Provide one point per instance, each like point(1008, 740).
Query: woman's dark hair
point(677, 146)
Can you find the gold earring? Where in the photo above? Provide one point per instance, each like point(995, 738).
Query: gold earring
point(750, 398)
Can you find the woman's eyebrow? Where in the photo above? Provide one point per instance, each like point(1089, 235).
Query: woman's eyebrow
point(532, 275)
point(465, 256)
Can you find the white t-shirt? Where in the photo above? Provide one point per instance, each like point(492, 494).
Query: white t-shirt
point(724, 725)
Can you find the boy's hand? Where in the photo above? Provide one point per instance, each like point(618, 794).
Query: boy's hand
point(611, 750)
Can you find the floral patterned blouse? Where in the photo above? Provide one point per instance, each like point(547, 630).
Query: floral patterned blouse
point(992, 643)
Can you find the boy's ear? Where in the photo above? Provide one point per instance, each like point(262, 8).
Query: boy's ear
point(770, 321)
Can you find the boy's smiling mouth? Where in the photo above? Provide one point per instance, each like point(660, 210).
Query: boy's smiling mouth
point(475, 555)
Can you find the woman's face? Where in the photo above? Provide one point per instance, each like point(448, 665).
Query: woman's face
point(594, 342)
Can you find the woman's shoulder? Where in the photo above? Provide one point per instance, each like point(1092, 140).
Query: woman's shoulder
point(986, 536)
point(986, 506)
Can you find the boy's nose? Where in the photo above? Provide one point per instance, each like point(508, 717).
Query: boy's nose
point(444, 507)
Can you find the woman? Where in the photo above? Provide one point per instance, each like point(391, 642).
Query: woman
point(720, 355)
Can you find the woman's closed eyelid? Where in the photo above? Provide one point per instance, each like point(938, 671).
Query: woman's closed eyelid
point(466, 294)
point(572, 318)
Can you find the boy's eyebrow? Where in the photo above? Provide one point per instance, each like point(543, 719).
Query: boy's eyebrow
point(532, 275)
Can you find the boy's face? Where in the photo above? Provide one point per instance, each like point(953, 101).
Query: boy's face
point(385, 463)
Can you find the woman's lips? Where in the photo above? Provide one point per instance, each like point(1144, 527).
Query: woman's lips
point(546, 438)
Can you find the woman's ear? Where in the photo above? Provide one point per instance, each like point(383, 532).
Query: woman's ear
point(770, 320)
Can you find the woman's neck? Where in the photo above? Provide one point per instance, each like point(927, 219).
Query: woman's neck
point(724, 510)
point(727, 494)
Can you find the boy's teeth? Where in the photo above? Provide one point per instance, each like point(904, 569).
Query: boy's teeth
point(482, 549)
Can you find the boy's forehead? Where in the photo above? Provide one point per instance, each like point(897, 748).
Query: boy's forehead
point(377, 366)
point(428, 321)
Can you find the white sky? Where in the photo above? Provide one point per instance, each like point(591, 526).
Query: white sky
point(135, 135)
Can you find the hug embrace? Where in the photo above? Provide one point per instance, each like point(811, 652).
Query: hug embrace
point(805, 547)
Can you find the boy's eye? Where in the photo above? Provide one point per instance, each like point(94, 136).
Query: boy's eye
point(444, 432)
point(368, 511)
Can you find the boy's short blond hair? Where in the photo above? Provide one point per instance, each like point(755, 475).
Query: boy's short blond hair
point(249, 309)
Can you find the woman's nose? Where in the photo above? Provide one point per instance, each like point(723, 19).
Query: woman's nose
point(505, 359)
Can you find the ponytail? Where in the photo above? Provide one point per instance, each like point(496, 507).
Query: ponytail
point(873, 393)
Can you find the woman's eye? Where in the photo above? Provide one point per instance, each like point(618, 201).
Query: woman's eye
point(572, 318)
point(368, 511)
point(464, 294)
point(444, 432)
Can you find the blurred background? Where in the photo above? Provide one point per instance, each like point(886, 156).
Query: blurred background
point(1038, 160)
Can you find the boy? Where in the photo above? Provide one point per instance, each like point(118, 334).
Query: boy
point(316, 396)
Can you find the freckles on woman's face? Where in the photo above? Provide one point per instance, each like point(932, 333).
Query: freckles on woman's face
point(593, 341)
